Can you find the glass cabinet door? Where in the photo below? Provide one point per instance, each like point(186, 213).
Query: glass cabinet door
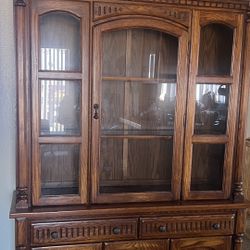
point(59, 100)
point(135, 113)
point(212, 106)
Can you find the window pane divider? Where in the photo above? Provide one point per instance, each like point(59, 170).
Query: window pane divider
point(60, 75)
point(210, 139)
point(59, 140)
point(140, 79)
point(215, 79)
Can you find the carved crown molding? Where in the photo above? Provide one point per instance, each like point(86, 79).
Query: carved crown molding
point(105, 10)
point(233, 4)
point(20, 3)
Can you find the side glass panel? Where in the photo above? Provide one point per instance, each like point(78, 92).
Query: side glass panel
point(139, 53)
point(207, 167)
point(60, 42)
point(60, 103)
point(59, 169)
point(216, 42)
point(138, 96)
point(211, 108)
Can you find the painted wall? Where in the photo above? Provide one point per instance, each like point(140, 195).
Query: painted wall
point(7, 124)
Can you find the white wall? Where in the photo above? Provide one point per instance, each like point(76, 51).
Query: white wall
point(7, 123)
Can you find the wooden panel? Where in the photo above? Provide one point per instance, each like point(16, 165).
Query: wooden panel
point(163, 227)
point(83, 231)
point(138, 245)
point(215, 243)
point(69, 247)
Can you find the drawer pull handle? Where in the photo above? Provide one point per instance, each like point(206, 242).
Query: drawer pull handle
point(54, 235)
point(216, 226)
point(162, 229)
point(116, 230)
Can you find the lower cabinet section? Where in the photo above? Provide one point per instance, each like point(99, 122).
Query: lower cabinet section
point(218, 231)
point(206, 243)
point(138, 245)
point(77, 247)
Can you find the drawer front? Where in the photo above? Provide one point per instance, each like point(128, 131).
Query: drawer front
point(75, 247)
point(138, 245)
point(163, 227)
point(83, 231)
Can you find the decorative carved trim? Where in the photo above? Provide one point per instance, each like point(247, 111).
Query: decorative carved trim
point(104, 10)
point(22, 197)
point(84, 231)
point(238, 194)
point(242, 5)
point(239, 239)
point(20, 3)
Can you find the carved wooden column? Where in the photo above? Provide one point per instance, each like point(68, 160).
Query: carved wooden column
point(22, 58)
point(240, 229)
point(240, 159)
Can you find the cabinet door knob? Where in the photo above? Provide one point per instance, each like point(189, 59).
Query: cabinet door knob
point(54, 235)
point(216, 226)
point(116, 230)
point(162, 229)
point(96, 111)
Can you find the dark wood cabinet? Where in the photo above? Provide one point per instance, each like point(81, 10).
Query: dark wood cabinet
point(131, 121)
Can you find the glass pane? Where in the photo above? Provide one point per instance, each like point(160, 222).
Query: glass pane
point(60, 42)
point(207, 167)
point(211, 108)
point(216, 42)
point(60, 169)
point(138, 108)
point(139, 53)
point(135, 165)
point(60, 107)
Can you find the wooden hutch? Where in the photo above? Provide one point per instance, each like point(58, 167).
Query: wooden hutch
point(131, 121)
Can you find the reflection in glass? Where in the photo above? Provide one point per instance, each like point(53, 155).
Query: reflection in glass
point(140, 52)
point(211, 108)
point(138, 108)
point(216, 42)
point(135, 165)
point(60, 169)
point(207, 167)
point(60, 107)
point(60, 42)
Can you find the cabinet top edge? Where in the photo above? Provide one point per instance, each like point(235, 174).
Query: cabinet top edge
point(220, 4)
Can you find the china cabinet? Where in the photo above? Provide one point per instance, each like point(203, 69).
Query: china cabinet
point(131, 121)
